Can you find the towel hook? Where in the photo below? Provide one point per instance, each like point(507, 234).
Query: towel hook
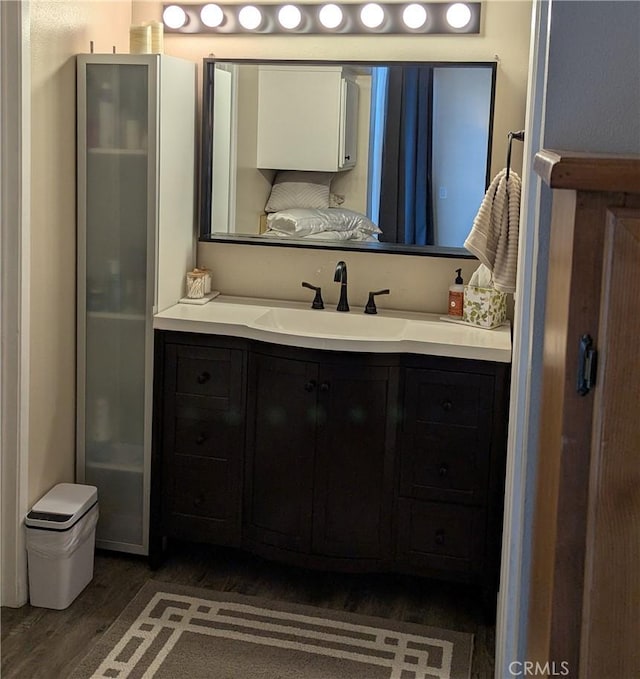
point(513, 135)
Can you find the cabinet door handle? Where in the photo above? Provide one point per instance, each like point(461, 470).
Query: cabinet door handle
point(443, 470)
point(197, 501)
point(310, 385)
point(203, 377)
point(201, 439)
point(439, 537)
point(325, 386)
point(447, 405)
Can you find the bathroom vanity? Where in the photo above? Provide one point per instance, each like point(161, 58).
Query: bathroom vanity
point(379, 447)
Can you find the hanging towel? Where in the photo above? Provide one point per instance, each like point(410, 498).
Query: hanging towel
point(493, 238)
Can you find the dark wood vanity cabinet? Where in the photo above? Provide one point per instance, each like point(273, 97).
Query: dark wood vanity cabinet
point(347, 461)
point(318, 472)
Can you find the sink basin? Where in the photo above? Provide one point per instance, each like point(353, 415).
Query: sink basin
point(295, 324)
point(353, 326)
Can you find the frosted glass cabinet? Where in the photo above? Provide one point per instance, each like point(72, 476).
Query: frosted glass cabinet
point(136, 127)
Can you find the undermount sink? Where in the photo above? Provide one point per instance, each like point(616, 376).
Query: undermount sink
point(331, 324)
point(295, 324)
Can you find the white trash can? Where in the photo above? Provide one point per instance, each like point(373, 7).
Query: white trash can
point(61, 535)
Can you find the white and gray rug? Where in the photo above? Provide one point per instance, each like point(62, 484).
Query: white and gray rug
point(170, 632)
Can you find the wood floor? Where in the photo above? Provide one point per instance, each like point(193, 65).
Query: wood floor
point(38, 643)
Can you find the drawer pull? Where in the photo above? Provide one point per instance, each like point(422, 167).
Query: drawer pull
point(203, 377)
point(443, 470)
point(439, 537)
point(447, 405)
point(325, 386)
point(197, 501)
point(310, 385)
point(201, 439)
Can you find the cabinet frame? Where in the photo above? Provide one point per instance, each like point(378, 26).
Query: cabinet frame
point(479, 518)
point(159, 235)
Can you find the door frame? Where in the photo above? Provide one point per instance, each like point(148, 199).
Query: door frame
point(15, 200)
point(512, 612)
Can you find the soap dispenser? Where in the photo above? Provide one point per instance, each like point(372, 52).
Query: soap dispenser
point(456, 296)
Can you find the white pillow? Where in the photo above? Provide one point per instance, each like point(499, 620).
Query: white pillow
point(304, 222)
point(292, 189)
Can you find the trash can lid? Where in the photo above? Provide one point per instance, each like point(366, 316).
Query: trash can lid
point(62, 506)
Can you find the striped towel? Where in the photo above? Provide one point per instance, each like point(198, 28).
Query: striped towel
point(493, 238)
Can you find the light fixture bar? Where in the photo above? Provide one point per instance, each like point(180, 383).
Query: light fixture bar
point(394, 21)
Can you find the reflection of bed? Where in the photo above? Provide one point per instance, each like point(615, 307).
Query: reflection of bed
point(321, 224)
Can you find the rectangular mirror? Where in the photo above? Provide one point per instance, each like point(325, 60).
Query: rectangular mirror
point(370, 156)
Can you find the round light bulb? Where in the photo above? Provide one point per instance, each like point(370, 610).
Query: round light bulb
point(414, 16)
point(372, 15)
point(250, 17)
point(174, 16)
point(289, 16)
point(330, 16)
point(458, 15)
point(211, 15)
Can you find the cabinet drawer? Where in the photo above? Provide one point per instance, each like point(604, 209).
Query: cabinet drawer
point(203, 499)
point(452, 398)
point(207, 372)
point(440, 537)
point(219, 436)
point(447, 464)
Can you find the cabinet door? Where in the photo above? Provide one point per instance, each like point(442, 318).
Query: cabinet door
point(280, 450)
point(203, 443)
point(299, 118)
point(353, 470)
point(114, 319)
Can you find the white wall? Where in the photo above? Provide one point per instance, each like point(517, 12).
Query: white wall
point(59, 30)
point(593, 87)
point(461, 112)
point(420, 283)
point(252, 186)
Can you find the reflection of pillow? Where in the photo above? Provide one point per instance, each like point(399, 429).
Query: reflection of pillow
point(292, 188)
point(304, 222)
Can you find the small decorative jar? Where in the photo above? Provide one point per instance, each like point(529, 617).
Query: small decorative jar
point(157, 36)
point(207, 281)
point(195, 284)
point(140, 39)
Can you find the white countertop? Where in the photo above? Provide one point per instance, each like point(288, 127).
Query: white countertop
point(295, 324)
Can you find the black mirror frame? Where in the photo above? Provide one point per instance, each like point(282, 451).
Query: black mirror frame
point(206, 164)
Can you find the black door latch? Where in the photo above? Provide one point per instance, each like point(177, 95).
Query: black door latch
point(587, 363)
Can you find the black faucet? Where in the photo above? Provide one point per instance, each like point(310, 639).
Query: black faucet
point(340, 276)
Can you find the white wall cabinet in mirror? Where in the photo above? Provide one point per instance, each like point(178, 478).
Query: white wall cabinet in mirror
point(405, 150)
point(307, 118)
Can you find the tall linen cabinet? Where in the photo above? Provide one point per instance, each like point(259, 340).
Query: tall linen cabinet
point(136, 160)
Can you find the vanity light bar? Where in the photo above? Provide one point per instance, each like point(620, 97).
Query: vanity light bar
point(327, 17)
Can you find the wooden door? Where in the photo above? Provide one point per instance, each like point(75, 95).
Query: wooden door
point(353, 470)
point(610, 620)
point(573, 616)
point(281, 445)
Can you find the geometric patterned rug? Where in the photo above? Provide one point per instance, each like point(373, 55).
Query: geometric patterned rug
point(171, 631)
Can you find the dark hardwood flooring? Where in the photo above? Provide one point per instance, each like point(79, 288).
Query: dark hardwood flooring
point(39, 643)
